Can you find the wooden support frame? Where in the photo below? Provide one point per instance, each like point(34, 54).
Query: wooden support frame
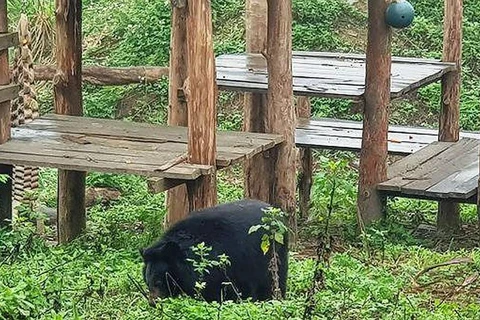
point(373, 155)
point(5, 189)
point(68, 100)
point(201, 102)
point(280, 106)
point(305, 162)
point(448, 218)
point(176, 198)
point(257, 171)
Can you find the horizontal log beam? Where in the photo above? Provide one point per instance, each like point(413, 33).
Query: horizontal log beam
point(107, 75)
point(8, 92)
point(158, 185)
point(8, 40)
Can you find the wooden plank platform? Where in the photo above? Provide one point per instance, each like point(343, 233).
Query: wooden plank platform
point(347, 135)
point(442, 170)
point(113, 146)
point(323, 74)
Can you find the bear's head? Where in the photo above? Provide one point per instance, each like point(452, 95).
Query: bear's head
point(162, 265)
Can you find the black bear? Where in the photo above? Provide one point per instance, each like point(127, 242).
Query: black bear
point(168, 270)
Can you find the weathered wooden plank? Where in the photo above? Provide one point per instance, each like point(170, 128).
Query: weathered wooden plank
point(316, 75)
point(316, 124)
point(442, 166)
point(443, 170)
point(352, 144)
point(8, 40)
point(132, 151)
point(153, 132)
point(416, 159)
point(180, 171)
point(358, 56)
point(460, 184)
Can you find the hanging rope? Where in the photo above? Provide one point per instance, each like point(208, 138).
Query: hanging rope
point(25, 106)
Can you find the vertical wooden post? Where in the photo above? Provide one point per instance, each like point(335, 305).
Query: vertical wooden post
point(257, 171)
point(201, 93)
point(5, 189)
point(373, 156)
point(448, 218)
point(305, 159)
point(68, 100)
point(280, 105)
point(177, 200)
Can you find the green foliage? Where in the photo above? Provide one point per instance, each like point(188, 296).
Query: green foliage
point(4, 178)
point(203, 263)
point(274, 227)
point(369, 277)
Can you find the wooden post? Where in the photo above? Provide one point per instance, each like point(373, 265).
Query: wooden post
point(177, 200)
point(448, 218)
point(201, 93)
point(280, 105)
point(305, 160)
point(5, 189)
point(373, 156)
point(68, 100)
point(257, 171)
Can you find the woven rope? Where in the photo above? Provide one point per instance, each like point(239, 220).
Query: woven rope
point(25, 107)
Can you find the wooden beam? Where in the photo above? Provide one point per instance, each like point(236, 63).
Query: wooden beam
point(305, 162)
point(373, 155)
point(108, 76)
point(201, 93)
point(258, 176)
point(159, 185)
point(68, 100)
point(8, 92)
point(8, 40)
point(177, 199)
point(448, 218)
point(5, 189)
point(280, 106)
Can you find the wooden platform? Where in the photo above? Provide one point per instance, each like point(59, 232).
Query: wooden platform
point(330, 75)
point(347, 135)
point(442, 170)
point(113, 146)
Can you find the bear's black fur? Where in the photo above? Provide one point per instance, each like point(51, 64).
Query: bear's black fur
point(225, 228)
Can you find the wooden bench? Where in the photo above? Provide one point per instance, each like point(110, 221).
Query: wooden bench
point(440, 171)
point(347, 135)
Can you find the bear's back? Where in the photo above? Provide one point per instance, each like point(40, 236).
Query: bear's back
point(218, 226)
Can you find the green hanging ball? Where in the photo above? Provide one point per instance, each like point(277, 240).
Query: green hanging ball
point(400, 14)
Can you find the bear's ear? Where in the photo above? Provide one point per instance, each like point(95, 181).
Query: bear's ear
point(168, 251)
point(142, 252)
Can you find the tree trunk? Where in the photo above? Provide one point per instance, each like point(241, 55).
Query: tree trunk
point(305, 161)
point(257, 170)
point(448, 218)
point(201, 93)
point(68, 100)
point(108, 76)
point(280, 106)
point(177, 199)
point(5, 189)
point(373, 155)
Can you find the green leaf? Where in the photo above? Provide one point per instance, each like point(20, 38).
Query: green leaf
point(265, 245)
point(254, 229)
point(279, 237)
